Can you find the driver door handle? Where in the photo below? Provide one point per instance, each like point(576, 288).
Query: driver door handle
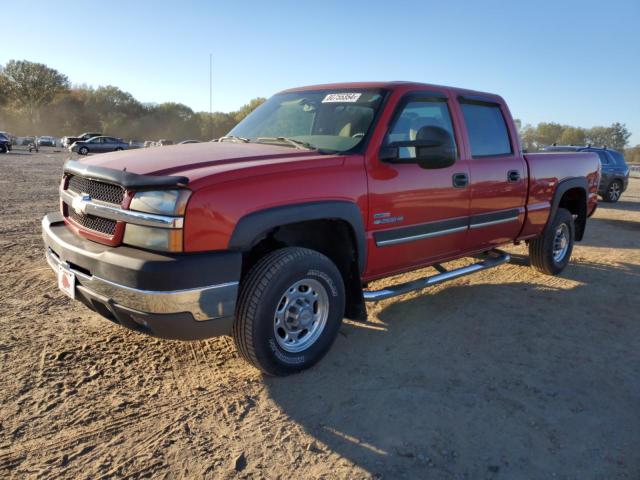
point(460, 180)
point(513, 176)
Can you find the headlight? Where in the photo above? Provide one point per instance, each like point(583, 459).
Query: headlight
point(161, 202)
point(153, 238)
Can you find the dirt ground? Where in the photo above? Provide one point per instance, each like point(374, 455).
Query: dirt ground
point(504, 374)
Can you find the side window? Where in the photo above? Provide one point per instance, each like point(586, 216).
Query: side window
point(487, 129)
point(415, 115)
point(604, 159)
point(617, 158)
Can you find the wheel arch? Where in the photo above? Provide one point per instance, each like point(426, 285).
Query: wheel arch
point(572, 195)
point(334, 228)
point(255, 226)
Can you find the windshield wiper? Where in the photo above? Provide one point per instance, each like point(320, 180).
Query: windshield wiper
point(300, 145)
point(234, 138)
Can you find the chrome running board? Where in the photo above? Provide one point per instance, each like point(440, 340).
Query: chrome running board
point(493, 258)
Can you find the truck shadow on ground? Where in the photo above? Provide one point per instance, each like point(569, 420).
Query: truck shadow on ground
point(611, 233)
point(621, 205)
point(476, 379)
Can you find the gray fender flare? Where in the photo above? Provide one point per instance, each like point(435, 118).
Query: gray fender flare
point(254, 226)
point(561, 189)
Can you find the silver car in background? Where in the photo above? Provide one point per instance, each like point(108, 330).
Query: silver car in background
point(99, 145)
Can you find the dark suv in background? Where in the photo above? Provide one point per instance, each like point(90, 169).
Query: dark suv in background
point(5, 143)
point(615, 172)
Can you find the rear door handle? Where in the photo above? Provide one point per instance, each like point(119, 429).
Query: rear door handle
point(460, 180)
point(513, 176)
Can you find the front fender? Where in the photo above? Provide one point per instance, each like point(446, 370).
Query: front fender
point(253, 227)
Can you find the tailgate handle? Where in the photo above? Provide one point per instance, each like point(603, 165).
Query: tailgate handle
point(513, 176)
point(460, 180)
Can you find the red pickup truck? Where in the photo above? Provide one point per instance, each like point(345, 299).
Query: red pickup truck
point(272, 233)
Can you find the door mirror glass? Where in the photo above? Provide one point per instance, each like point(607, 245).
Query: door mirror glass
point(435, 148)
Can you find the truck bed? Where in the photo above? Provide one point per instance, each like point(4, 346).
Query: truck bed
point(549, 170)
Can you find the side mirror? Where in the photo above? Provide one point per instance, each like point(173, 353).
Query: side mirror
point(434, 148)
point(389, 154)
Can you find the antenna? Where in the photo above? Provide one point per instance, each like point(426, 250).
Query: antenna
point(211, 94)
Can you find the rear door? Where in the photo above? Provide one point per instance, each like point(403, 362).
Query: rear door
point(608, 168)
point(110, 144)
point(497, 173)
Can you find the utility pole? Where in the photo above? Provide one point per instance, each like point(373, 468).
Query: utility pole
point(211, 94)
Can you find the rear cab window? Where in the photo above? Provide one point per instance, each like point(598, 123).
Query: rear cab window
point(486, 128)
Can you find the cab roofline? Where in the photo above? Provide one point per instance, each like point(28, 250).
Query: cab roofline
point(392, 85)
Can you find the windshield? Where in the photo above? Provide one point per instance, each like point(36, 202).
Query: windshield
point(335, 121)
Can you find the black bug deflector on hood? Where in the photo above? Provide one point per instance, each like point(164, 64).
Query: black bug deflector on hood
point(122, 177)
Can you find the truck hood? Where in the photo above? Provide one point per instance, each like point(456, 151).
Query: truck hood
point(200, 161)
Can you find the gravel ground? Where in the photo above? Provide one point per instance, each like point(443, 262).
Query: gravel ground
point(504, 374)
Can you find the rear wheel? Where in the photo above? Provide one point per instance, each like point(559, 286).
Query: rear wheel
point(290, 308)
point(613, 193)
point(3, 149)
point(550, 252)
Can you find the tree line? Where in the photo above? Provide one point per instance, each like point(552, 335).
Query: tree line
point(616, 136)
point(37, 99)
point(536, 137)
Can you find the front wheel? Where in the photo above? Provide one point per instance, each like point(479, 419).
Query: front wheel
point(290, 308)
point(613, 193)
point(83, 151)
point(550, 252)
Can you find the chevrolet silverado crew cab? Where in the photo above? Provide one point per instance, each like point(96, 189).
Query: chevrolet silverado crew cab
point(273, 233)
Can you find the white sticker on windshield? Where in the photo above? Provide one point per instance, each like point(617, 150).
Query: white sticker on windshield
point(341, 97)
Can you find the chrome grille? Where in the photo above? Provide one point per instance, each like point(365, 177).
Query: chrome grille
point(104, 192)
point(91, 222)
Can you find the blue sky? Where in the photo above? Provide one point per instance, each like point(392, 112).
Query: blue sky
point(574, 62)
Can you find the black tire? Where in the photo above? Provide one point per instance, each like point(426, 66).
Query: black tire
point(83, 151)
point(543, 250)
point(268, 288)
point(614, 192)
point(3, 149)
point(119, 149)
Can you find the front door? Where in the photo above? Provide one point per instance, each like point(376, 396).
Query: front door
point(417, 216)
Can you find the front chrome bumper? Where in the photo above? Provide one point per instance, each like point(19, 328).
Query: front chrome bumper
point(184, 313)
point(206, 303)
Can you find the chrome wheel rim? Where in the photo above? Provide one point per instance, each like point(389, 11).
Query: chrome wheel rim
point(301, 315)
point(614, 191)
point(561, 242)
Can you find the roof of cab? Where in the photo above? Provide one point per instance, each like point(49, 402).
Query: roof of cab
point(392, 85)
